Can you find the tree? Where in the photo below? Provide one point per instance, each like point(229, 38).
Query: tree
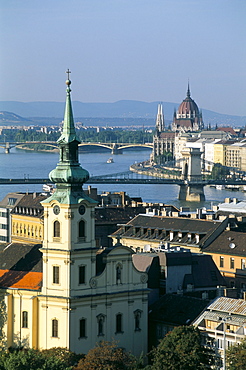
point(65, 355)
point(31, 359)
point(181, 349)
point(106, 355)
point(236, 356)
point(3, 318)
point(219, 172)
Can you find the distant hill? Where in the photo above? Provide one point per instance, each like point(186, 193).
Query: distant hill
point(123, 109)
point(7, 118)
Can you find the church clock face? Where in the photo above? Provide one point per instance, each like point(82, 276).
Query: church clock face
point(81, 209)
point(56, 210)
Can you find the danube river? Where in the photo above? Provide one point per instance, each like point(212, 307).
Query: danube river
point(21, 164)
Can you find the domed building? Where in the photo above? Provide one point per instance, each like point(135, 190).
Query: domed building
point(187, 117)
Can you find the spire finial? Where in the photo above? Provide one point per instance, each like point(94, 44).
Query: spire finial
point(188, 90)
point(68, 82)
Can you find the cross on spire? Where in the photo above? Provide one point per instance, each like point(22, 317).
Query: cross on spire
point(68, 73)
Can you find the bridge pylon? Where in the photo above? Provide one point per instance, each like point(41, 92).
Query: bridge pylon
point(115, 149)
point(7, 148)
point(193, 188)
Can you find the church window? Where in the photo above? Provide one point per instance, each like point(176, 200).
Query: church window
point(82, 229)
point(119, 323)
point(137, 316)
point(81, 274)
point(54, 328)
point(56, 229)
point(100, 323)
point(82, 328)
point(24, 319)
point(56, 273)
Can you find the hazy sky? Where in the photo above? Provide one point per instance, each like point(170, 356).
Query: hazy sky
point(125, 49)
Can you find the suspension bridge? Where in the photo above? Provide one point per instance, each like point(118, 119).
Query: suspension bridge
point(129, 177)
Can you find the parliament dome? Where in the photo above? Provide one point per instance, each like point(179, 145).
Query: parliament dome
point(188, 106)
point(187, 117)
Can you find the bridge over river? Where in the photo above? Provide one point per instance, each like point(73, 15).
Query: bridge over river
point(114, 148)
point(129, 177)
point(190, 177)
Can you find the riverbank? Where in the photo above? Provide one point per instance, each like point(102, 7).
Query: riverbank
point(147, 169)
point(28, 149)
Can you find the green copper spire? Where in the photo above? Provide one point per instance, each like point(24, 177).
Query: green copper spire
point(68, 175)
point(68, 133)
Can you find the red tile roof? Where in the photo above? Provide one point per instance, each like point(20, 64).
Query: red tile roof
point(20, 279)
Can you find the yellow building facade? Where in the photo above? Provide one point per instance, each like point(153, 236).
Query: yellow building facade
point(27, 219)
point(219, 153)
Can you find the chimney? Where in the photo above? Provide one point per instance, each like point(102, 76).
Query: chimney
point(221, 291)
point(34, 195)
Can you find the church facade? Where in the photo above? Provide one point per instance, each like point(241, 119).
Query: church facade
point(66, 292)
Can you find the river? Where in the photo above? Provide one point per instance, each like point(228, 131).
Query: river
point(20, 164)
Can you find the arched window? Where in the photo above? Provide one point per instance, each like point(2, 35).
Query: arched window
point(24, 319)
point(54, 328)
point(56, 229)
point(118, 273)
point(137, 316)
point(81, 229)
point(100, 323)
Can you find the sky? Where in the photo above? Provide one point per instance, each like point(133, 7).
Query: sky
point(143, 50)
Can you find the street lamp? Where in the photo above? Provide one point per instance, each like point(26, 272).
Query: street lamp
point(224, 320)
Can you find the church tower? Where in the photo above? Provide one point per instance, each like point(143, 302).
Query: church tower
point(87, 294)
point(69, 236)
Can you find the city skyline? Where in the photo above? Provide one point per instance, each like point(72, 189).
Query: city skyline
point(126, 50)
